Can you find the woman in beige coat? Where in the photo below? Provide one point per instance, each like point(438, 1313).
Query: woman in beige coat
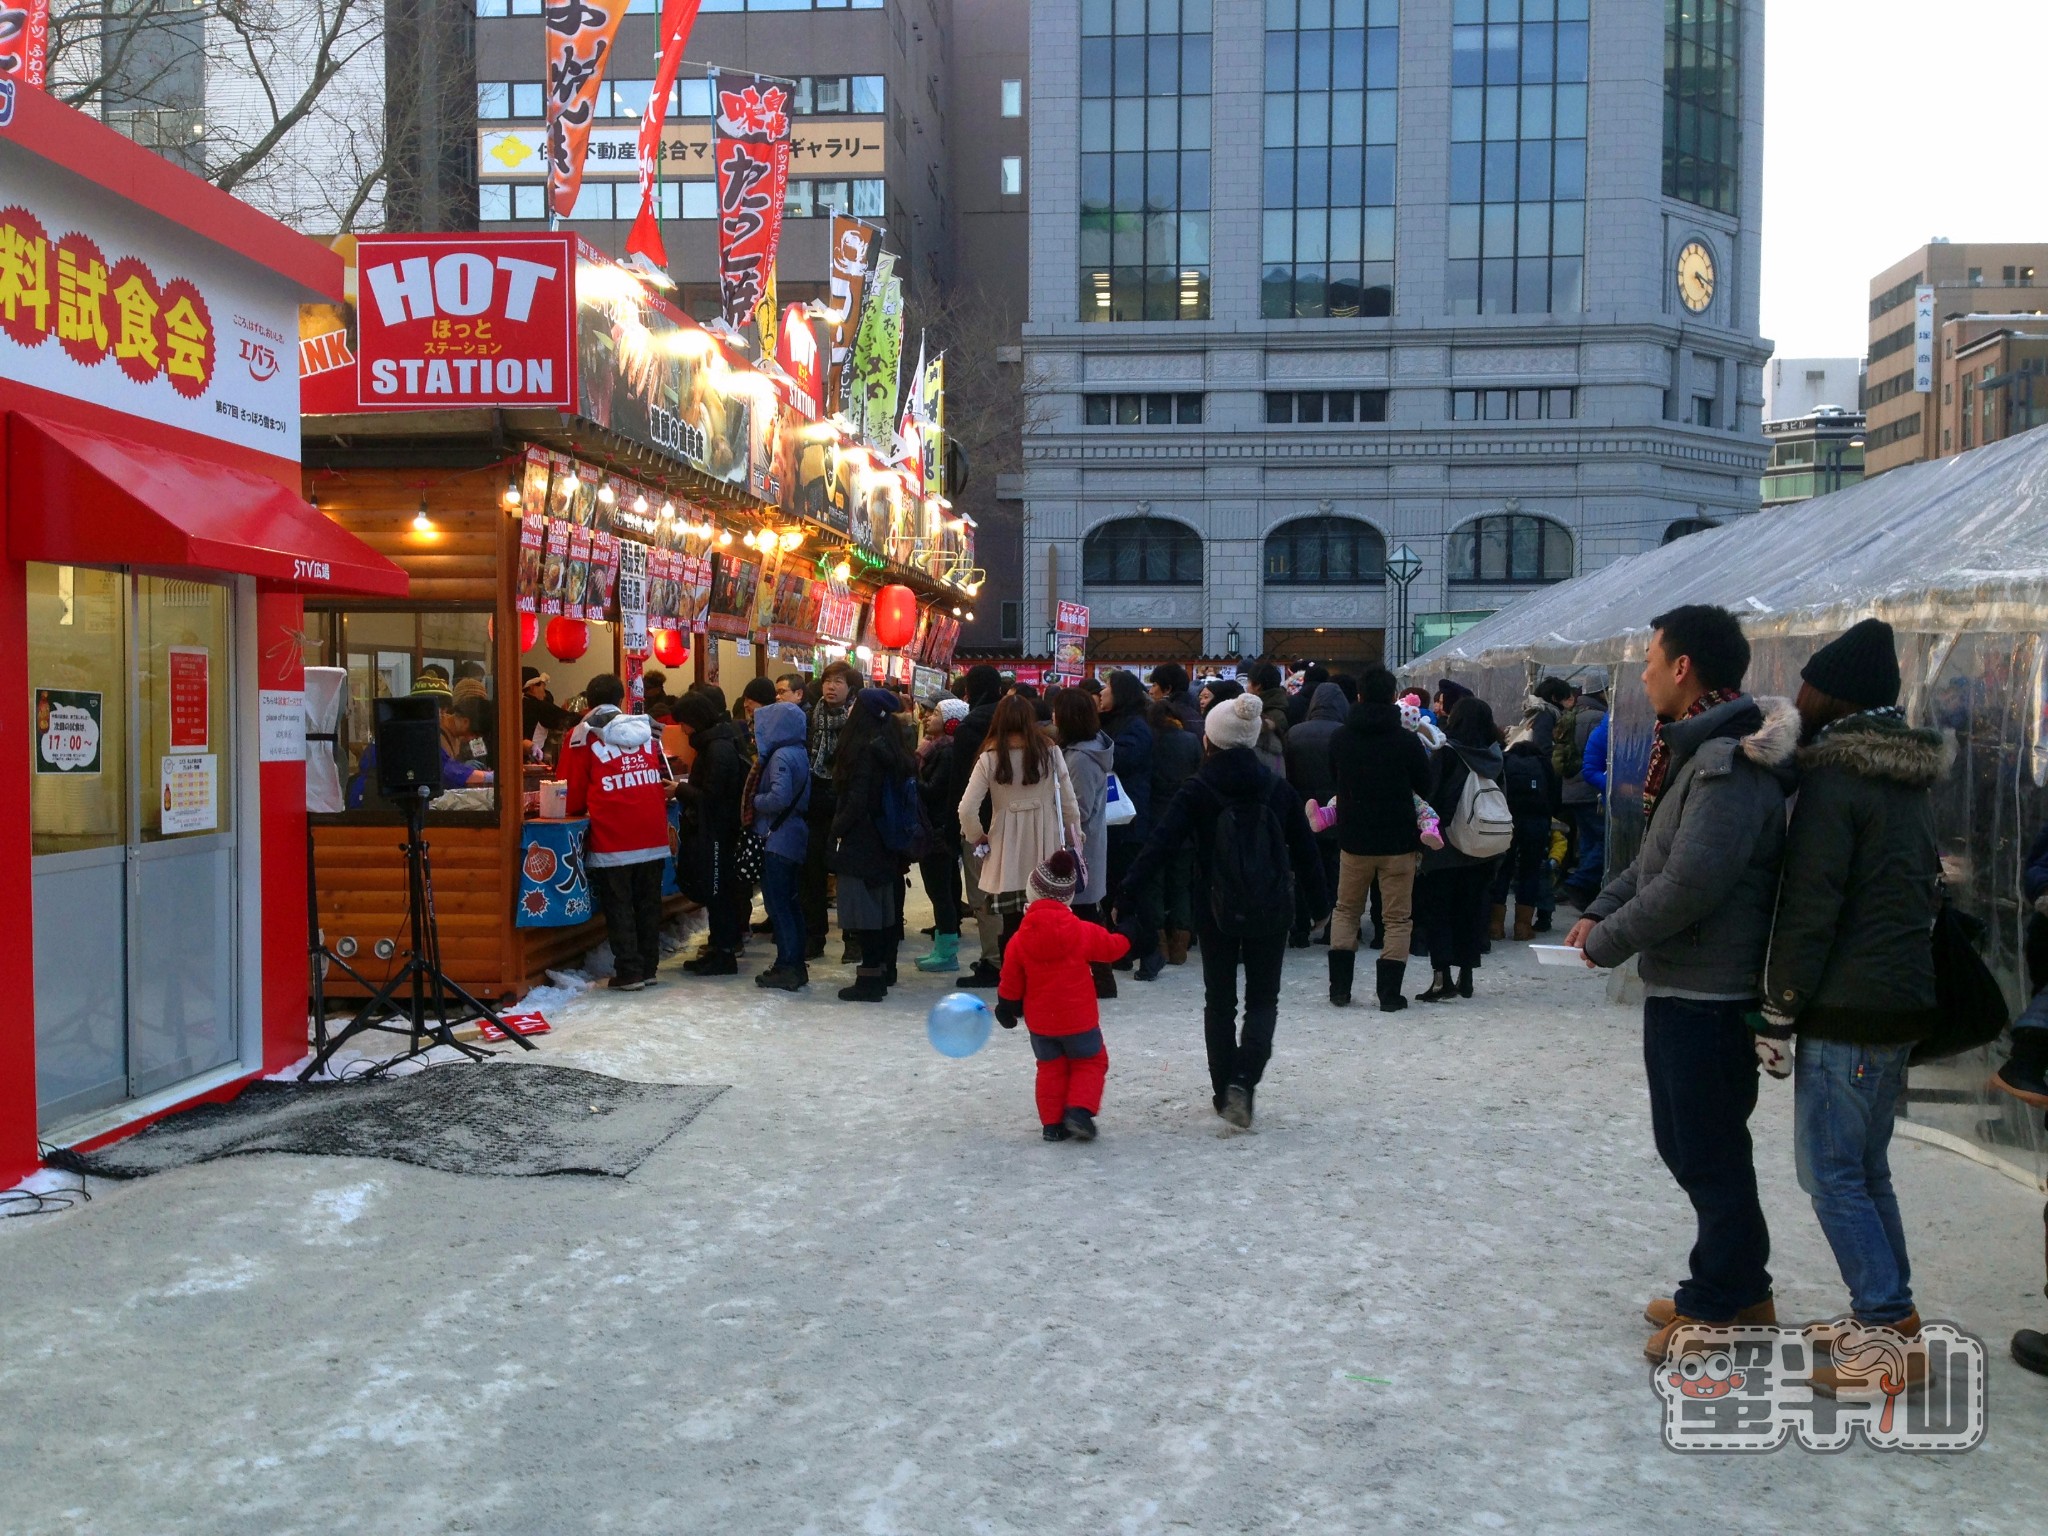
point(1033, 809)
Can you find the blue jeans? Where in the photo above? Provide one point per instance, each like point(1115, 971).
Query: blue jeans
point(781, 880)
point(1592, 870)
point(1701, 1061)
point(1844, 1099)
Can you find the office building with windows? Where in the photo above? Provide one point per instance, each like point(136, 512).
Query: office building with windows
point(1315, 279)
point(1968, 279)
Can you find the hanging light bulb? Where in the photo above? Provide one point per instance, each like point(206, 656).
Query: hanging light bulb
point(606, 494)
point(792, 538)
point(421, 523)
point(956, 610)
point(843, 572)
point(725, 537)
point(970, 615)
point(668, 511)
point(511, 496)
point(640, 505)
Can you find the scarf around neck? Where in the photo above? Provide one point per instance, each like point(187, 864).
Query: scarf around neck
point(1660, 751)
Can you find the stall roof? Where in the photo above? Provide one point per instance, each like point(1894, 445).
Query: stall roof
point(103, 501)
point(1955, 544)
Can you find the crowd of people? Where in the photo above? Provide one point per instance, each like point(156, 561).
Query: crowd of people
point(1784, 891)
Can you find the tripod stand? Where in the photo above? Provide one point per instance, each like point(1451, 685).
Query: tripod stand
point(319, 953)
point(421, 975)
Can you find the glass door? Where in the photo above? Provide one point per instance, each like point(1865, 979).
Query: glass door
point(133, 834)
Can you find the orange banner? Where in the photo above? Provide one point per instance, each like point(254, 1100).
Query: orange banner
point(580, 38)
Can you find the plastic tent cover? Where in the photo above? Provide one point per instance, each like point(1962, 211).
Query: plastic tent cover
point(1954, 554)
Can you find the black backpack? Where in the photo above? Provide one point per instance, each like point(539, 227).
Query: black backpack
point(1528, 790)
point(906, 830)
point(1972, 1004)
point(1251, 877)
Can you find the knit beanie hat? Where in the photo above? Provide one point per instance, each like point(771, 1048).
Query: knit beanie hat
point(951, 709)
point(1235, 722)
point(878, 701)
point(1451, 692)
point(1056, 877)
point(1860, 667)
point(432, 684)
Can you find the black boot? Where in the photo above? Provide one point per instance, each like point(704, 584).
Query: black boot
point(2030, 1351)
point(986, 973)
point(868, 987)
point(1389, 974)
point(1105, 979)
point(1439, 989)
point(1464, 981)
point(1342, 963)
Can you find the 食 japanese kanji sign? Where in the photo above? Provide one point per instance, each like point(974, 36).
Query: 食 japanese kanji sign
point(135, 314)
point(580, 35)
point(750, 149)
point(451, 320)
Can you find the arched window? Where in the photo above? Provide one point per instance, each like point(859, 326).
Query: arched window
point(1142, 552)
point(1686, 525)
point(1509, 548)
point(1325, 551)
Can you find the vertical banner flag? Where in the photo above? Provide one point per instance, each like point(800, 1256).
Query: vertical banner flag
point(931, 390)
point(854, 244)
point(750, 149)
point(797, 353)
point(580, 36)
point(677, 17)
point(910, 425)
point(24, 43)
point(878, 357)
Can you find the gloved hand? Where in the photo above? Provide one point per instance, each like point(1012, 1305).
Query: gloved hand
point(1773, 1042)
point(1008, 1013)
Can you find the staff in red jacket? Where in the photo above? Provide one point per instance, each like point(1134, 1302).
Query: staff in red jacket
point(618, 779)
point(1046, 979)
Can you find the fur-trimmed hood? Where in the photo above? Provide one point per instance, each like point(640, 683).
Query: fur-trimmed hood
point(1764, 730)
point(1873, 746)
point(1775, 743)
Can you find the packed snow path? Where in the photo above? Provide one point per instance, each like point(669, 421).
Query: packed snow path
point(861, 1294)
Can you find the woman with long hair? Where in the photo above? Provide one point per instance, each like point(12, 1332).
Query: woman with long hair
point(869, 762)
point(1091, 758)
point(1033, 810)
point(1451, 888)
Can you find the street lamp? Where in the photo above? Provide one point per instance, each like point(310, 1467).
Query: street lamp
point(1232, 644)
point(1403, 566)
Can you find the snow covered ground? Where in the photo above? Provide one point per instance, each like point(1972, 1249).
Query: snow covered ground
point(861, 1294)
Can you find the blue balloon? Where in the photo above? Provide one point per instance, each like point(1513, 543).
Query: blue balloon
point(958, 1024)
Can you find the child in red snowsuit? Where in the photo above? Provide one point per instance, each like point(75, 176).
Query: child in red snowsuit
point(1046, 979)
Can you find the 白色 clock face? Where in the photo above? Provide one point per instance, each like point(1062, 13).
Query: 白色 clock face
point(1695, 277)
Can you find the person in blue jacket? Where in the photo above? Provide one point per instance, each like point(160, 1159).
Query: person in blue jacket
point(782, 794)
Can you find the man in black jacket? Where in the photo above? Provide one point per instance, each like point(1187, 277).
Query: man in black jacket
point(1850, 969)
point(1130, 732)
point(718, 777)
point(984, 693)
point(1230, 789)
point(1380, 767)
point(1170, 683)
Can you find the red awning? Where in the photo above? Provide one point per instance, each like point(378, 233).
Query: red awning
point(83, 498)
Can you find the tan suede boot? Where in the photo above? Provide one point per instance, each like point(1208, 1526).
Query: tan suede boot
point(1661, 1312)
point(1658, 1347)
point(1177, 946)
point(1876, 1370)
point(1497, 925)
point(1525, 925)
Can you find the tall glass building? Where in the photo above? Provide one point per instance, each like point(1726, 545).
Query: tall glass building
point(1314, 279)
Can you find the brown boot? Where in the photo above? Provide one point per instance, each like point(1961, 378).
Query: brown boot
point(1525, 925)
point(1658, 1348)
point(1177, 946)
point(1868, 1372)
point(1662, 1312)
point(1497, 925)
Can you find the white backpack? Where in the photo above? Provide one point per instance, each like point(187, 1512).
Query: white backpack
point(1482, 826)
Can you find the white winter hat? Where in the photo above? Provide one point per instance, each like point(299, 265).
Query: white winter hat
point(951, 708)
point(1235, 722)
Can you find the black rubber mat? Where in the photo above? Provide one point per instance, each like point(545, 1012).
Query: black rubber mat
point(486, 1118)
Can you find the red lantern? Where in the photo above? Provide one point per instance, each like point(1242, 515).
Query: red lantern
point(895, 617)
point(567, 638)
point(669, 648)
point(529, 631)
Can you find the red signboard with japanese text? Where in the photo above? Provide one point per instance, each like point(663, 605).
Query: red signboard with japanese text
point(750, 150)
point(24, 42)
point(454, 320)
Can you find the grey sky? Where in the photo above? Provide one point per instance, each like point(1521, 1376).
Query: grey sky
point(1887, 122)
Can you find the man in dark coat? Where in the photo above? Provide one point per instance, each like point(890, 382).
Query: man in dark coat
point(1696, 906)
point(1170, 682)
point(984, 693)
point(1130, 734)
point(1313, 676)
point(1851, 972)
point(713, 795)
point(1378, 767)
point(1307, 755)
point(1233, 784)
